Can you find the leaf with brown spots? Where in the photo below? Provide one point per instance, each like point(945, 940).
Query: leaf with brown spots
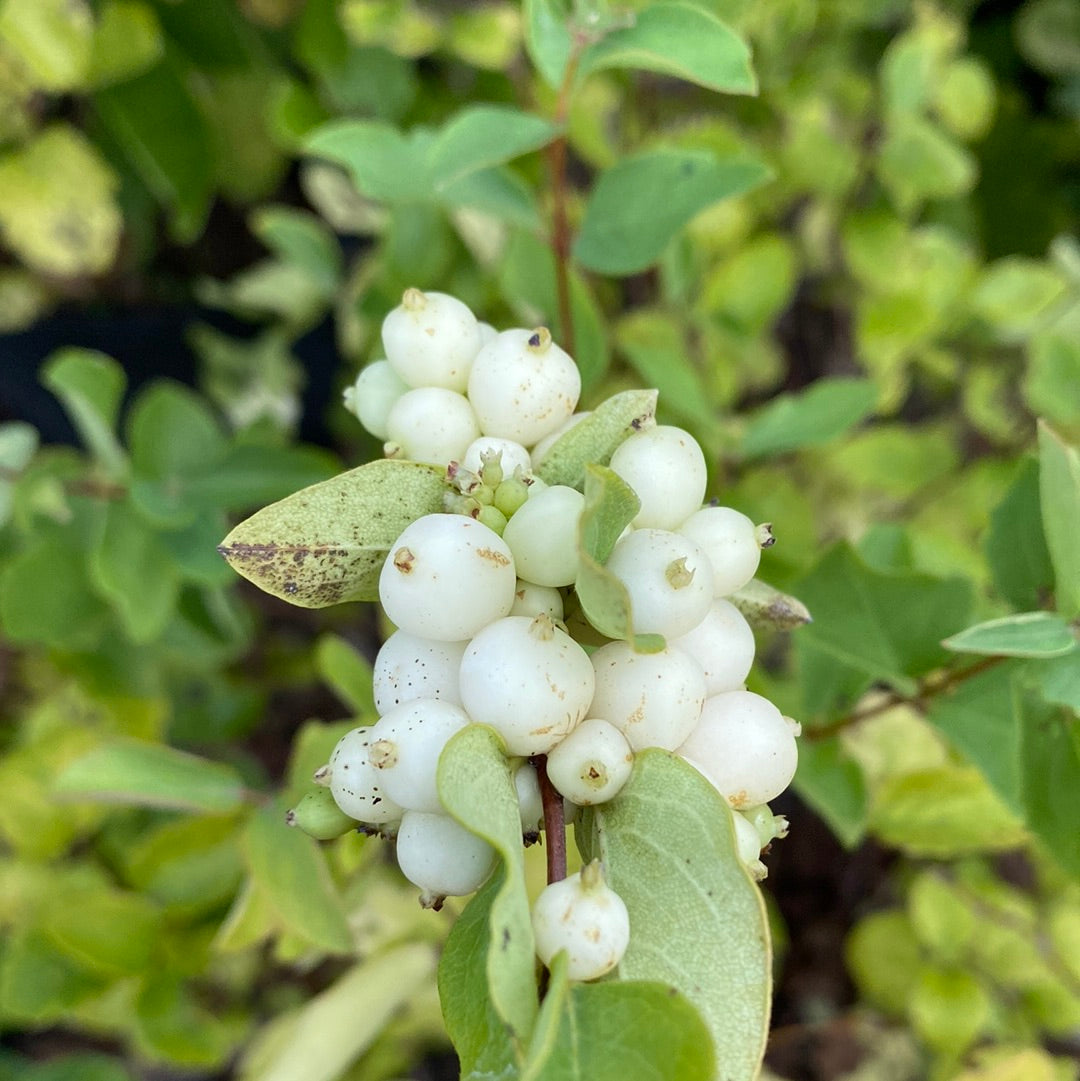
point(326, 544)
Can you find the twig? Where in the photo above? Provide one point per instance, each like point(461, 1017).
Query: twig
point(554, 824)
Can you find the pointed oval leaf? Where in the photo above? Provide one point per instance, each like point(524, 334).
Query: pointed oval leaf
point(668, 846)
point(1059, 489)
point(384, 164)
point(291, 872)
point(594, 439)
point(547, 37)
point(481, 136)
point(152, 775)
point(476, 787)
point(627, 226)
point(327, 543)
point(614, 1030)
point(680, 40)
point(1030, 634)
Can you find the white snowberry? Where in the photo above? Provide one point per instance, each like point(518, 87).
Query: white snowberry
point(730, 540)
point(654, 699)
point(591, 764)
point(745, 746)
point(666, 468)
point(430, 424)
point(523, 386)
point(441, 857)
point(582, 915)
point(723, 644)
point(409, 667)
point(542, 534)
point(667, 577)
point(404, 746)
point(355, 783)
point(430, 340)
point(530, 600)
point(372, 396)
point(529, 680)
point(446, 577)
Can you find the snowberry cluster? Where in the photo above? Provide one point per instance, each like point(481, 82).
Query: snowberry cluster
point(478, 599)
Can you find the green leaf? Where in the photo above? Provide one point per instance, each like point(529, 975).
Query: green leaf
point(884, 959)
point(155, 121)
point(302, 239)
point(1059, 490)
point(58, 210)
point(45, 597)
point(289, 869)
point(481, 136)
point(1016, 545)
point(766, 607)
point(83, 1067)
point(172, 433)
point(480, 1038)
point(1031, 634)
point(1058, 681)
point(173, 1025)
point(51, 38)
point(128, 40)
point(18, 445)
point(667, 842)
point(133, 571)
point(348, 672)
point(614, 1031)
point(39, 984)
point(949, 1008)
point(151, 775)
point(980, 719)
point(918, 161)
point(477, 788)
point(942, 813)
point(319, 1041)
point(834, 785)
point(1050, 767)
point(610, 506)
point(91, 387)
point(500, 193)
point(654, 343)
point(104, 929)
point(1015, 295)
point(305, 550)
point(870, 626)
point(384, 163)
point(595, 439)
point(626, 227)
point(812, 417)
point(680, 40)
point(547, 38)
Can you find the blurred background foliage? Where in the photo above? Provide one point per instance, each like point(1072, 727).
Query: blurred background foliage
point(861, 334)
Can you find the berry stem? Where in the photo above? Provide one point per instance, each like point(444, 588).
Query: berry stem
point(554, 823)
point(928, 689)
point(561, 238)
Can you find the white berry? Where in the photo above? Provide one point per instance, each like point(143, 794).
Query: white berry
point(446, 577)
point(408, 667)
point(356, 784)
point(529, 680)
point(542, 534)
point(745, 746)
point(591, 764)
point(723, 644)
point(440, 856)
point(582, 915)
point(430, 340)
point(668, 578)
point(666, 468)
point(654, 699)
point(430, 424)
point(523, 386)
point(730, 541)
point(404, 746)
point(372, 396)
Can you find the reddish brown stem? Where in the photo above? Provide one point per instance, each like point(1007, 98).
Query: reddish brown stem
point(927, 689)
point(554, 824)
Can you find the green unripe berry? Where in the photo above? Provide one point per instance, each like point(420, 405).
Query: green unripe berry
point(318, 815)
